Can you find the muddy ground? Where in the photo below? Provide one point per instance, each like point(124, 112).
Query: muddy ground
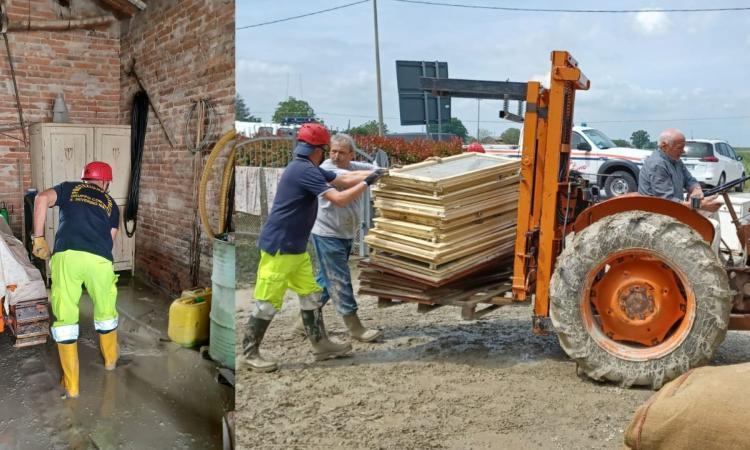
point(435, 382)
point(161, 396)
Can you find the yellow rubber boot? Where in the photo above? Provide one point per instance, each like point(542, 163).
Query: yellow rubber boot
point(69, 363)
point(110, 352)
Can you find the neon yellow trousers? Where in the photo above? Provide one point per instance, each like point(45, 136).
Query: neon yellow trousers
point(70, 270)
point(278, 272)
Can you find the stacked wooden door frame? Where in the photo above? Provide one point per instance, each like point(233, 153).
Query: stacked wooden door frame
point(437, 229)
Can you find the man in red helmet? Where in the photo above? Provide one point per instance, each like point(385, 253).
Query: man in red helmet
point(89, 221)
point(475, 147)
point(284, 261)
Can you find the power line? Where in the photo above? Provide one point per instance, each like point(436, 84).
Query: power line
point(301, 15)
point(498, 121)
point(611, 11)
point(669, 120)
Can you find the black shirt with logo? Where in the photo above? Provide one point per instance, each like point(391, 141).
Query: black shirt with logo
point(87, 216)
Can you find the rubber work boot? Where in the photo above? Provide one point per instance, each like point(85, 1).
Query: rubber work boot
point(299, 328)
point(323, 348)
point(69, 362)
point(110, 351)
point(357, 331)
point(251, 346)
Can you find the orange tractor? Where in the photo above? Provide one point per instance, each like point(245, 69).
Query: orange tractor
point(633, 288)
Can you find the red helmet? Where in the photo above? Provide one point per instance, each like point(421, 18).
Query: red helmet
point(314, 134)
point(97, 170)
point(475, 147)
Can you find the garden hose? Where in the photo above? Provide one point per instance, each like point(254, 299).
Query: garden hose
point(226, 179)
point(202, 212)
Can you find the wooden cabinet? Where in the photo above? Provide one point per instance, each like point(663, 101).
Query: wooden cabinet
point(60, 151)
point(112, 145)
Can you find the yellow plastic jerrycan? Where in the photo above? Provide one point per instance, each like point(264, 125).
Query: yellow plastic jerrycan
point(189, 317)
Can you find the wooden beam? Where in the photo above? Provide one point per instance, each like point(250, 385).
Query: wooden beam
point(60, 25)
point(124, 8)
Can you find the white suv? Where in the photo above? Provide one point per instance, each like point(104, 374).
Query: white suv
point(594, 155)
point(713, 162)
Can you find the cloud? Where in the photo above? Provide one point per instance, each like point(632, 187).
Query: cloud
point(652, 22)
point(258, 67)
point(544, 79)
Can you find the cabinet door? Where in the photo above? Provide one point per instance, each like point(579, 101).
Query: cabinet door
point(113, 147)
point(122, 252)
point(70, 148)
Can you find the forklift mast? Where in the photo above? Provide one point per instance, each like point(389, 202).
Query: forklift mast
point(548, 197)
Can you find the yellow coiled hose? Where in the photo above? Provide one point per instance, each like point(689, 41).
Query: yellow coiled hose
point(225, 184)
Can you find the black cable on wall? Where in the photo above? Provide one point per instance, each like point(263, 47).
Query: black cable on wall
point(138, 125)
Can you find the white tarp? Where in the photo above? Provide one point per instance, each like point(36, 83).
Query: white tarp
point(16, 269)
point(247, 188)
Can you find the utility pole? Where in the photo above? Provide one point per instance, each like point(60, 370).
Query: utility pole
point(377, 68)
point(477, 120)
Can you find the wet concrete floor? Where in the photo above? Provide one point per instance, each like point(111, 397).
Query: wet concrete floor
point(161, 396)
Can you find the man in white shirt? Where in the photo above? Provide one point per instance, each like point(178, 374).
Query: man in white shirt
point(332, 236)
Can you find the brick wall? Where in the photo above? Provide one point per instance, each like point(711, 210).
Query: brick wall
point(184, 51)
point(81, 64)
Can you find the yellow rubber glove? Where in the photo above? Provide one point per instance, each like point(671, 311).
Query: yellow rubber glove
point(40, 249)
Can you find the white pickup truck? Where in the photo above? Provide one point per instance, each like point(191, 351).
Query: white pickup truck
point(593, 154)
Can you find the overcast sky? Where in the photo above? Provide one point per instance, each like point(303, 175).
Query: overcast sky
point(648, 70)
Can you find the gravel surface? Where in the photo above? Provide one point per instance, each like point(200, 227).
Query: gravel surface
point(435, 381)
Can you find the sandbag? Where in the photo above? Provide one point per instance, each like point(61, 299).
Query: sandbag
point(705, 408)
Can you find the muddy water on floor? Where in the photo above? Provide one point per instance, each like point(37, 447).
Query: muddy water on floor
point(160, 396)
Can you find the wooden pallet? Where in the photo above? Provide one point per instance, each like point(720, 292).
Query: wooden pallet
point(468, 293)
point(495, 263)
point(29, 322)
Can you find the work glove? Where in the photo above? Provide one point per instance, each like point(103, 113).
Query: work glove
point(40, 249)
point(375, 176)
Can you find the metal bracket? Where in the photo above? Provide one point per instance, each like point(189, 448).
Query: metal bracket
point(542, 325)
point(453, 87)
point(571, 74)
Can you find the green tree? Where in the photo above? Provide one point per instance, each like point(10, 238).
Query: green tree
point(241, 111)
point(510, 136)
point(292, 107)
point(640, 139)
point(485, 136)
point(455, 126)
point(621, 142)
point(369, 128)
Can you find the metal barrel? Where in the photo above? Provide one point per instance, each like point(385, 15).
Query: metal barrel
point(222, 340)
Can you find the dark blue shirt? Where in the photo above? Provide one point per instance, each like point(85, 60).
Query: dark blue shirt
point(663, 177)
point(295, 207)
point(87, 216)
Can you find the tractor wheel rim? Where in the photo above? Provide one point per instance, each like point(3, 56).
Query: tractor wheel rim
point(637, 306)
point(619, 186)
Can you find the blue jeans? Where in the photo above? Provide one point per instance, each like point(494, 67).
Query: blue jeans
point(333, 275)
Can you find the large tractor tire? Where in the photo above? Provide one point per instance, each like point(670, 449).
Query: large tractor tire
point(639, 298)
